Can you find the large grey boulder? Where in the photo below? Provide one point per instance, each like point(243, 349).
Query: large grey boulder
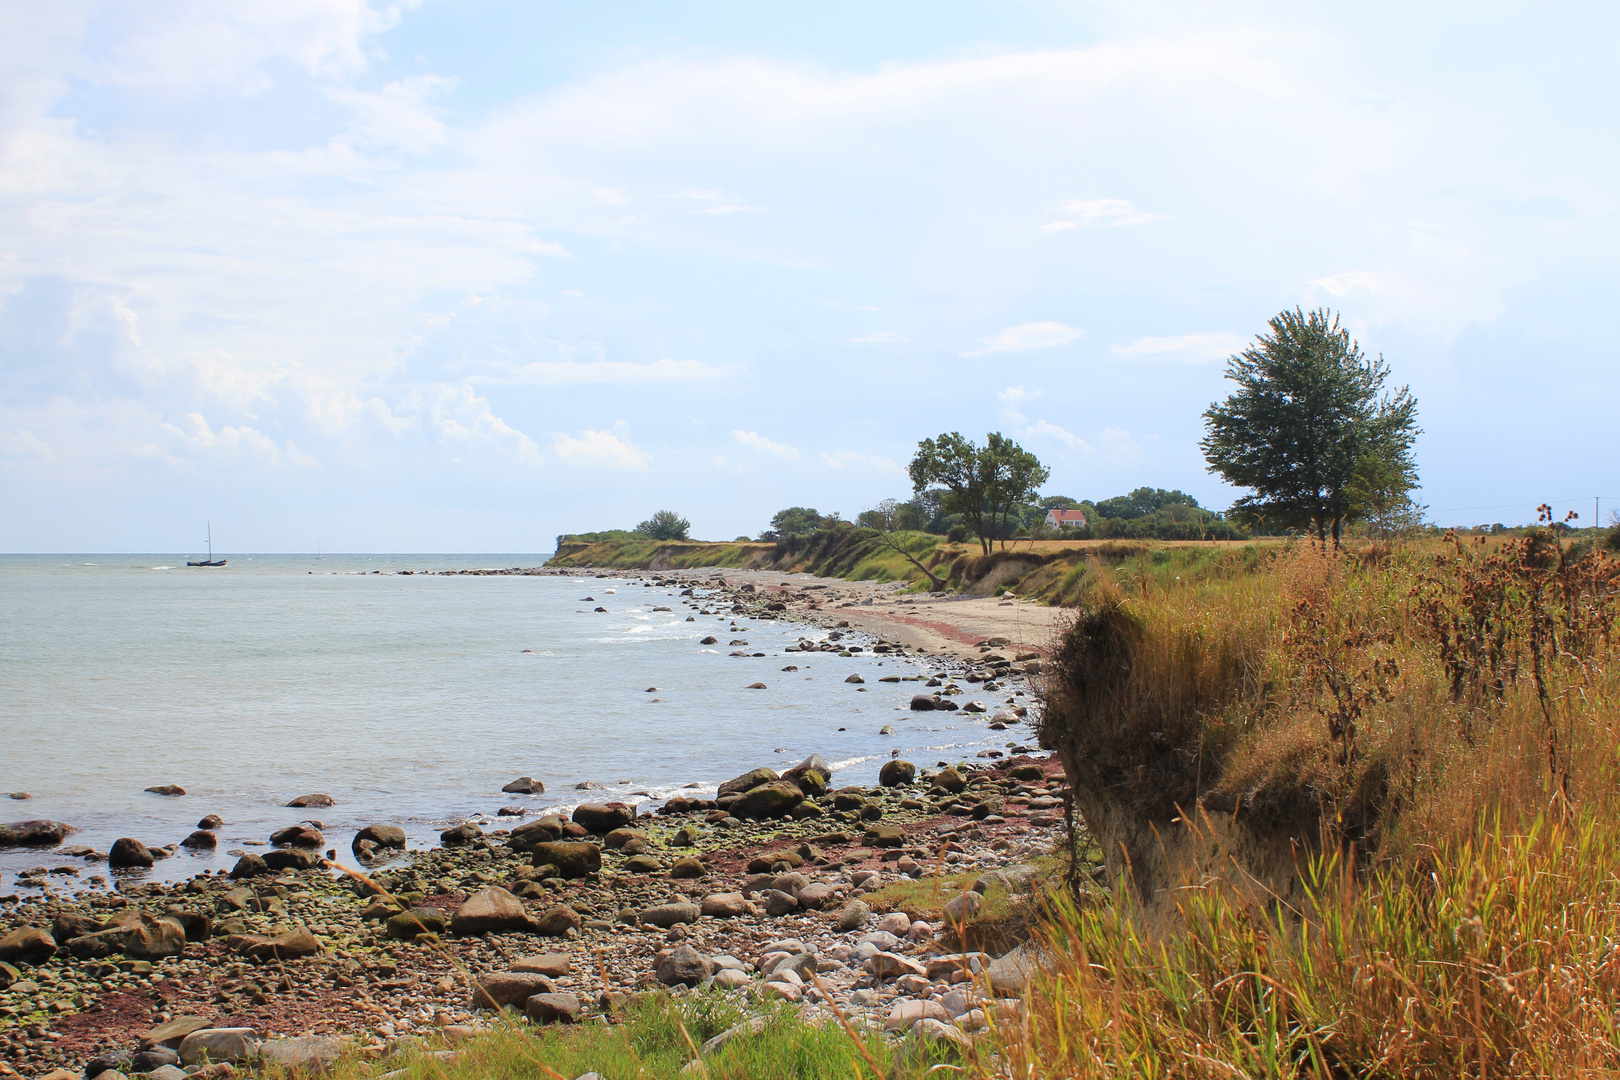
point(572, 858)
point(489, 910)
point(684, 966)
point(553, 1008)
point(128, 852)
point(603, 818)
point(35, 833)
point(213, 1046)
point(774, 799)
point(503, 988)
point(665, 916)
point(751, 778)
point(305, 1054)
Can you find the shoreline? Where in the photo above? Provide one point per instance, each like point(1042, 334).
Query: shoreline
point(365, 985)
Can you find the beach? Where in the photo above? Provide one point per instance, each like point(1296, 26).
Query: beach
point(291, 948)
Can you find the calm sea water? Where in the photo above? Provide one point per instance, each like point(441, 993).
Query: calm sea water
point(408, 699)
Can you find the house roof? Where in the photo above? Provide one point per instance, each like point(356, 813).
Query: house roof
point(1066, 515)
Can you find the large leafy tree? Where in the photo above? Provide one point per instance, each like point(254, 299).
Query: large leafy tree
point(665, 525)
point(984, 484)
point(795, 521)
point(1309, 413)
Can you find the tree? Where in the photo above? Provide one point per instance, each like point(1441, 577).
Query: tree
point(794, 521)
point(665, 525)
point(983, 484)
point(1309, 408)
point(1381, 491)
point(885, 519)
point(1142, 502)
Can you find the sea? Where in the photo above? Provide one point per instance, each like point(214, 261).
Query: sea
point(410, 699)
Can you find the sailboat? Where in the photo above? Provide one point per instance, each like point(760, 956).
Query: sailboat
point(210, 561)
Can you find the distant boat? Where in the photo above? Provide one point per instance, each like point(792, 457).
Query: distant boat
point(210, 561)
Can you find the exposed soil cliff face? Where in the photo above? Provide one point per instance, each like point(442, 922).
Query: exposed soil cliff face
point(1163, 859)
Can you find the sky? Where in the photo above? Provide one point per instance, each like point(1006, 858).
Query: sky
point(462, 275)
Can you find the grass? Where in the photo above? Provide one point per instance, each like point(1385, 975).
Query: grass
point(656, 1039)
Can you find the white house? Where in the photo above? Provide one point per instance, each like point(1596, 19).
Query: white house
point(1066, 519)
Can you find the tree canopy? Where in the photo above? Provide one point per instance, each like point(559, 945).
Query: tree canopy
point(1309, 412)
point(665, 525)
point(983, 484)
point(796, 521)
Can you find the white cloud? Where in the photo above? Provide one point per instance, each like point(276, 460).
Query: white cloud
point(1347, 282)
point(759, 442)
point(460, 416)
point(1101, 213)
point(1192, 348)
point(1114, 446)
point(1030, 335)
point(599, 449)
point(882, 337)
point(399, 114)
point(232, 442)
point(845, 459)
point(577, 373)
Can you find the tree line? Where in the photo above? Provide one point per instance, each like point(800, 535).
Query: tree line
point(1311, 433)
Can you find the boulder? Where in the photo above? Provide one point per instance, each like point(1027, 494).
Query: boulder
point(951, 780)
point(541, 831)
point(552, 965)
point(855, 679)
point(774, 799)
point(689, 867)
point(304, 836)
point(752, 778)
point(302, 1055)
point(778, 902)
point(171, 790)
point(887, 965)
point(129, 852)
point(28, 944)
point(665, 916)
point(895, 773)
point(292, 859)
point(553, 1008)
point(383, 836)
point(891, 836)
point(171, 1033)
point(642, 864)
point(295, 943)
point(622, 837)
point(907, 1012)
point(152, 938)
point(248, 866)
point(306, 801)
point(557, 921)
point(502, 988)
point(602, 818)
point(525, 785)
point(408, 925)
point(461, 835)
point(149, 1061)
point(572, 858)
point(853, 915)
point(211, 1046)
point(489, 910)
point(959, 909)
point(924, 703)
point(725, 905)
point(685, 966)
point(211, 821)
point(201, 840)
point(815, 896)
point(99, 944)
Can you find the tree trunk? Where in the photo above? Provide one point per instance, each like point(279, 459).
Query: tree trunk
point(937, 583)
